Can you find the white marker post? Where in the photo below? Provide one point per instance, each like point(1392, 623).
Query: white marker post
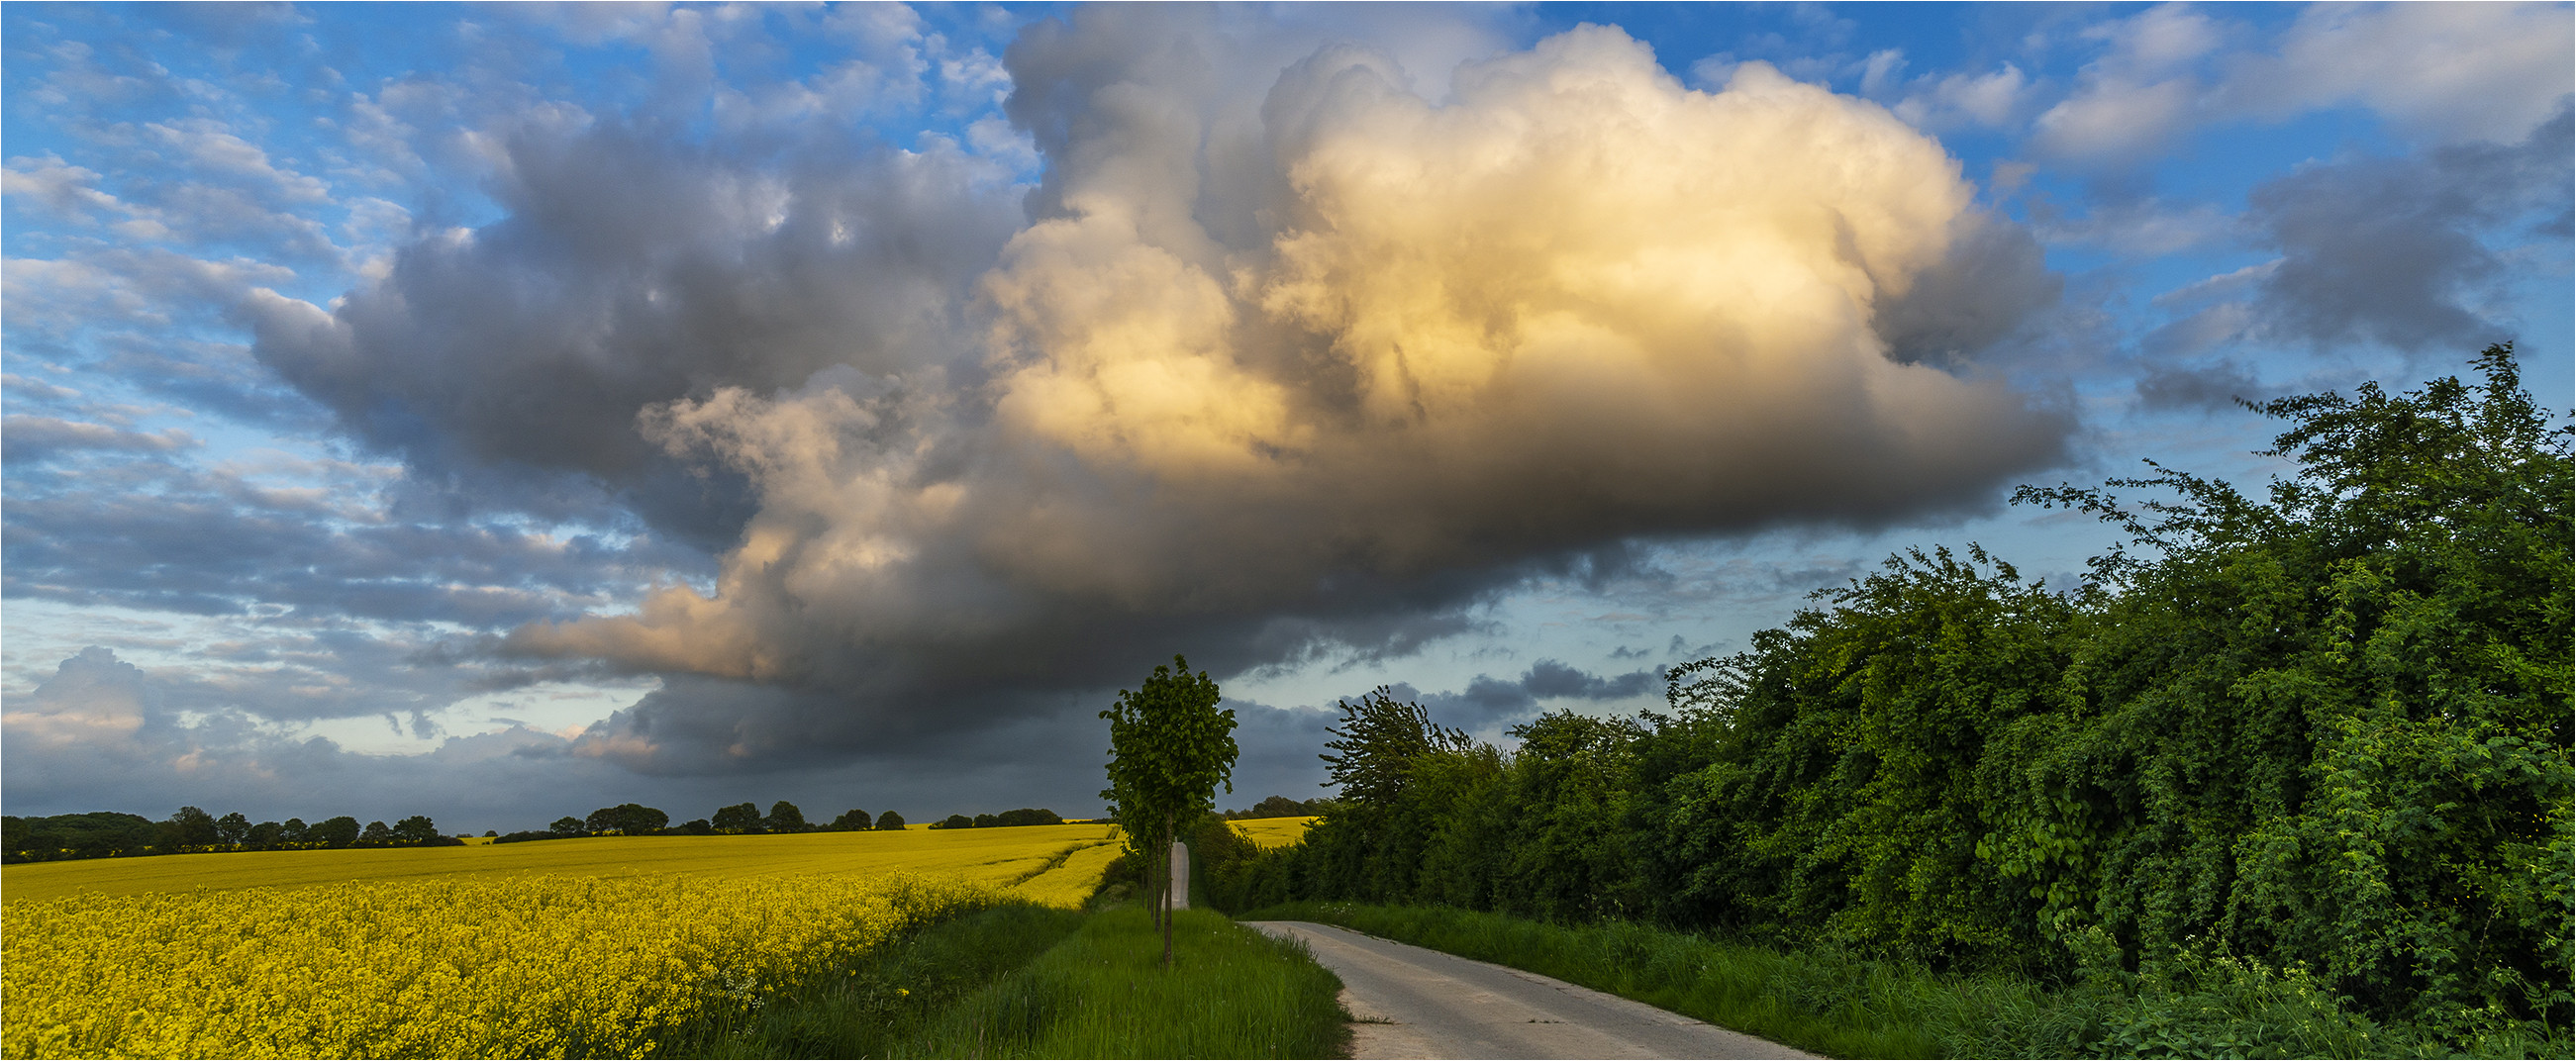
point(1180, 876)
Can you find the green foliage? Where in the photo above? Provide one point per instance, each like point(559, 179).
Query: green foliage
point(784, 817)
point(338, 831)
point(889, 821)
point(2317, 743)
point(1169, 749)
point(626, 819)
point(882, 1000)
point(96, 835)
point(852, 821)
point(1841, 1003)
point(1095, 995)
point(738, 818)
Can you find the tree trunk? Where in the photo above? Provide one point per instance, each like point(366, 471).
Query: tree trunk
point(1170, 837)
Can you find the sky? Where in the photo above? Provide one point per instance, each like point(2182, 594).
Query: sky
point(502, 412)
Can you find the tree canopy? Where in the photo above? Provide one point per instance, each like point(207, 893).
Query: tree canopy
point(1169, 749)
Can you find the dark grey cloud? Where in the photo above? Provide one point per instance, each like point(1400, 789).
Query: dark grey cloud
point(2407, 252)
point(633, 269)
point(2215, 385)
point(1993, 283)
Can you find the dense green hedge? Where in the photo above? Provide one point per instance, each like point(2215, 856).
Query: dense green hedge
point(2323, 730)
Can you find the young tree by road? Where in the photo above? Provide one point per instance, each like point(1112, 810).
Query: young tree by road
point(1169, 748)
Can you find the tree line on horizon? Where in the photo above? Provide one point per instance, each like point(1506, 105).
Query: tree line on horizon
point(2321, 736)
point(113, 834)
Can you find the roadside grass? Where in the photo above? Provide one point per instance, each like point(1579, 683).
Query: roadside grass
point(881, 1001)
point(1030, 981)
point(1232, 992)
point(1842, 1005)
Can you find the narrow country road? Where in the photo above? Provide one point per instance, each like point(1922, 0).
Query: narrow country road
point(1413, 1002)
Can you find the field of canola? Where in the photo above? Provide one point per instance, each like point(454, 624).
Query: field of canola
point(549, 949)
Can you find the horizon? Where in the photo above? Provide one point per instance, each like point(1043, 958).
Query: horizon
point(480, 412)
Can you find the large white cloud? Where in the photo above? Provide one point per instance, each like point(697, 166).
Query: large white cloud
point(1402, 341)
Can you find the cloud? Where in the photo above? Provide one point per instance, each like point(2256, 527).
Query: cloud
point(2445, 73)
point(35, 439)
point(2138, 95)
point(1394, 356)
point(2400, 251)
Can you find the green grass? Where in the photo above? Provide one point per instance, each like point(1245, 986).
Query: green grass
point(879, 1005)
point(1843, 1005)
point(1231, 992)
point(1029, 981)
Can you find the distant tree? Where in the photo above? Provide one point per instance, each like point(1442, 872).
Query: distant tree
point(889, 822)
point(987, 821)
point(294, 831)
point(785, 818)
point(417, 829)
point(627, 819)
point(265, 836)
point(1169, 749)
point(232, 829)
point(1279, 807)
point(1379, 739)
point(1028, 816)
point(377, 834)
point(191, 827)
point(695, 827)
point(739, 818)
point(954, 821)
point(493, 833)
point(851, 821)
point(340, 831)
point(566, 826)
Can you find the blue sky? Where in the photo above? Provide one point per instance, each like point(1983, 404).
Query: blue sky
point(501, 412)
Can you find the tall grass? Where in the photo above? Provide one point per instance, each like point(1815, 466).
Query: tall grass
point(880, 1002)
point(1844, 1005)
point(1231, 992)
point(1028, 981)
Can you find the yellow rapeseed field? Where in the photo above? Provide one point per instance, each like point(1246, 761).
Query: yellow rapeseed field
point(549, 949)
point(1274, 832)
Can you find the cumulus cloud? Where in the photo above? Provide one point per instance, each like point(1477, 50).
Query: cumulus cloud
point(1339, 354)
point(2447, 73)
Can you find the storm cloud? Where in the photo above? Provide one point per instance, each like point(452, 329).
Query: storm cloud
point(1283, 351)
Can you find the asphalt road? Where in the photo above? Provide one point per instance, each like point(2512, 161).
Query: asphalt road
point(1412, 1002)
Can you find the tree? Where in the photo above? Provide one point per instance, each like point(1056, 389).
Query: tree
point(889, 822)
point(232, 829)
point(954, 821)
point(739, 818)
point(191, 827)
point(627, 819)
point(294, 831)
point(785, 818)
point(566, 826)
point(853, 820)
point(265, 835)
point(1169, 749)
point(417, 829)
point(377, 834)
point(340, 831)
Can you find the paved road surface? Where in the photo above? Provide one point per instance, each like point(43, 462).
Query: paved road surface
point(1413, 1002)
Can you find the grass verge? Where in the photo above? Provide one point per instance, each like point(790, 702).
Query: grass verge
point(879, 1004)
point(1232, 992)
point(1843, 1005)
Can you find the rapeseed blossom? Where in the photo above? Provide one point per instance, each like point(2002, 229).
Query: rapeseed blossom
point(518, 966)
